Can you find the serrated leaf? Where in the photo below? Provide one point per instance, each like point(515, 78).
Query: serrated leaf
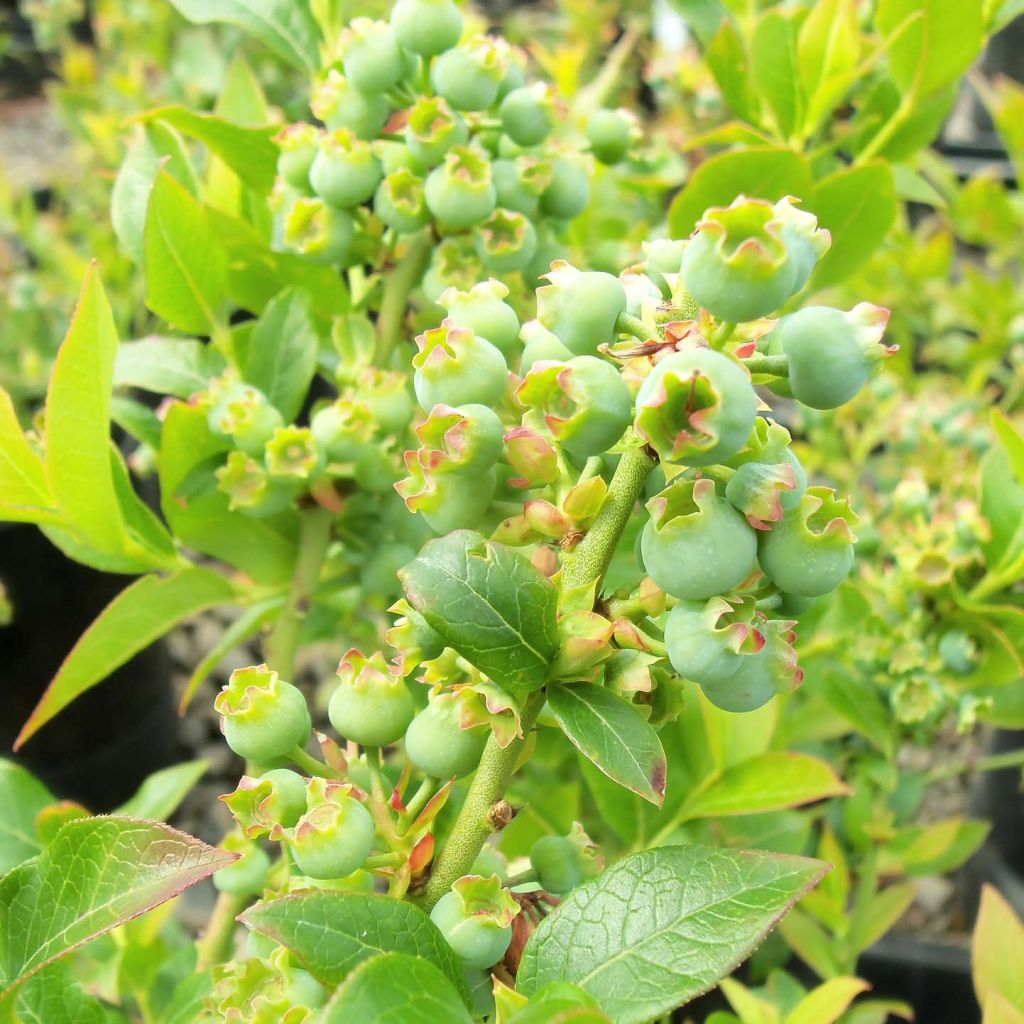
point(185, 264)
point(614, 735)
point(22, 797)
point(287, 28)
point(161, 793)
point(680, 917)
point(768, 782)
point(332, 933)
point(763, 172)
point(489, 604)
point(24, 493)
point(281, 356)
point(395, 987)
point(97, 874)
point(140, 614)
point(997, 950)
point(166, 366)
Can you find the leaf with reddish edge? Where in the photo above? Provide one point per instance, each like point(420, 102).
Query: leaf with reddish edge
point(396, 803)
point(422, 854)
point(433, 807)
point(333, 754)
point(96, 874)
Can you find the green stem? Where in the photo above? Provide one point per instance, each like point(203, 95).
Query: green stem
point(777, 366)
point(992, 763)
point(310, 765)
point(283, 642)
point(416, 804)
point(473, 825)
point(590, 560)
point(215, 945)
point(397, 286)
point(633, 325)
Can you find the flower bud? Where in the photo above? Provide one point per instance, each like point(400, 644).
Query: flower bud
point(531, 456)
point(263, 717)
point(455, 367)
point(580, 307)
point(483, 310)
point(476, 919)
point(585, 641)
point(697, 407)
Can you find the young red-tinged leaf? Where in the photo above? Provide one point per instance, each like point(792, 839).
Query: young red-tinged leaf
point(614, 735)
point(681, 917)
point(997, 951)
point(422, 854)
point(96, 874)
point(140, 614)
point(334, 756)
point(433, 807)
point(395, 802)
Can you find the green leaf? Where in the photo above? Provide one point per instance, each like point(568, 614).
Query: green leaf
point(702, 17)
point(679, 917)
point(281, 356)
point(285, 27)
point(54, 996)
point(996, 950)
point(614, 735)
point(880, 914)
point(774, 68)
point(22, 797)
point(185, 263)
point(201, 519)
point(999, 1010)
point(1002, 504)
point(24, 493)
point(932, 849)
point(167, 366)
point(827, 51)
point(858, 206)
point(152, 145)
point(136, 419)
point(395, 987)
point(1011, 440)
point(560, 1003)
point(766, 783)
point(764, 172)
point(933, 42)
point(727, 59)
point(855, 698)
point(162, 792)
point(489, 604)
point(96, 874)
point(332, 933)
point(187, 1002)
point(811, 943)
point(248, 151)
point(828, 1002)
point(140, 614)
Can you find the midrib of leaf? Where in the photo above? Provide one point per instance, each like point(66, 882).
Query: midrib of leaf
point(189, 280)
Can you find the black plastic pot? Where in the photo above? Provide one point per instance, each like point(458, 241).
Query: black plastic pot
point(100, 748)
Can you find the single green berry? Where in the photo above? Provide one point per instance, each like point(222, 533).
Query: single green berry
point(467, 436)
point(569, 192)
point(580, 307)
point(241, 412)
point(344, 429)
point(475, 919)
point(520, 183)
point(485, 312)
point(448, 499)
point(335, 835)
point(506, 241)
point(345, 172)
point(286, 802)
point(468, 76)
point(298, 145)
point(705, 639)
point(247, 875)
point(436, 743)
point(432, 129)
point(426, 27)
point(385, 393)
point(539, 344)
point(806, 242)
point(339, 104)
point(372, 704)
point(249, 488)
point(292, 454)
point(320, 233)
point(528, 114)
point(371, 56)
point(764, 491)
point(562, 862)
point(400, 201)
point(959, 652)
point(263, 717)
point(454, 366)
point(460, 192)
point(612, 134)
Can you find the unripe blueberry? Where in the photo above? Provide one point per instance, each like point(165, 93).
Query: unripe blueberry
point(958, 651)
point(696, 545)
point(468, 75)
point(298, 144)
point(580, 307)
point(241, 412)
point(484, 311)
point(476, 919)
point(460, 192)
point(665, 255)
point(696, 407)
point(343, 429)
point(371, 56)
point(467, 436)
point(372, 704)
point(806, 242)
point(263, 717)
point(704, 639)
point(433, 128)
point(830, 353)
point(737, 265)
point(763, 491)
point(455, 367)
point(520, 183)
point(562, 862)
point(318, 232)
point(436, 743)
point(809, 552)
point(292, 454)
point(385, 393)
point(641, 293)
point(585, 403)
point(528, 114)
point(454, 264)
point(400, 201)
point(345, 172)
point(448, 499)
point(506, 241)
point(335, 835)
point(278, 797)
point(339, 104)
point(426, 27)
point(611, 134)
point(569, 192)
point(247, 875)
point(539, 344)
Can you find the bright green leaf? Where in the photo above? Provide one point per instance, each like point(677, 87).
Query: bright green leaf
point(24, 493)
point(997, 950)
point(395, 987)
point(828, 1002)
point(727, 59)
point(285, 27)
point(489, 604)
point(140, 614)
point(827, 52)
point(167, 366)
point(97, 874)
point(614, 735)
point(855, 698)
point(932, 849)
point(22, 797)
point(752, 1009)
point(880, 913)
point(185, 263)
point(999, 1010)
point(764, 172)
point(162, 792)
point(774, 68)
point(680, 917)
point(332, 933)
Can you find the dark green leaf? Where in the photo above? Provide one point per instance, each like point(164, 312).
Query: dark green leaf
point(680, 918)
point(22, 797)
point(166, 366)
point(285, 27)
point(394, 988)
point(96, 874)
point(488, 603)
point(763, 172)
point(281, 356)
point(331, 933)
point(613, 734)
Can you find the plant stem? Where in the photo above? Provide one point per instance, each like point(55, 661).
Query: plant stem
point(283, 642)
point(473, 826)
point(416, 804)
point(633, 325)
point(992, 763)
point(306, 761)
point(777, 366)
point(215, 945)
point(590, 560)
point(397, 286)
